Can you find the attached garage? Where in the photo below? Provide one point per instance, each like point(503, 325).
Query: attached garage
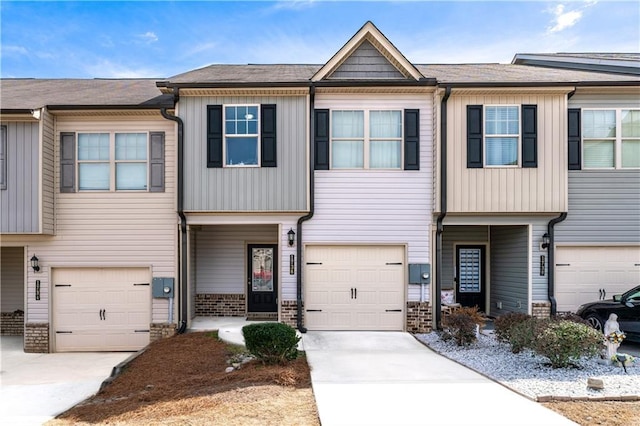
point(355, 288)
point(101, 309)
point(582, 272)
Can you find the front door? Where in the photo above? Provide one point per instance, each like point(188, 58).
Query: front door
point(262, 281)
point(470, 276)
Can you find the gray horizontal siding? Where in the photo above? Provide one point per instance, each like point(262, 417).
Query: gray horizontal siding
point(366, 62)
point(604, 207)
point(509, 269)
point(458, 235)
point(19, 207)
point(281, 189)
point(12, 269)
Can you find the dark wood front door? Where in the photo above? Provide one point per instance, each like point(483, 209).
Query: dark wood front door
point(470, 276)
point(262, 277)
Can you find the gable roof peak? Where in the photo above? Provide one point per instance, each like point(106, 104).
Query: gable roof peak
point(369, 32)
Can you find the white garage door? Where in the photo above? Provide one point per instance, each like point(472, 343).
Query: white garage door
point(581, 272)
point(354, 288)
point(106, 309)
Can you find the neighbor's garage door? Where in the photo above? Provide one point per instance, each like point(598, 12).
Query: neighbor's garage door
point(106, 309)
point(354, 288)
point(581, 272)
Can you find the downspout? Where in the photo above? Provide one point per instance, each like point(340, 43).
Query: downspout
point(312, 97)
point(443, 205)
point(551, 284)
point(182, 259)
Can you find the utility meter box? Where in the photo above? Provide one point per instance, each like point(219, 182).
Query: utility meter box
point(162, 287)
point(419, 273)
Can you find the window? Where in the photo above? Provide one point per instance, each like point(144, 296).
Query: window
point(241, 135)
point(610, 138)
point(112, 160)
point(3, 157)
point(362, 139)
point(502, 134)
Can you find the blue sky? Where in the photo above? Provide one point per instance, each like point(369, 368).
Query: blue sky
point(116, 39)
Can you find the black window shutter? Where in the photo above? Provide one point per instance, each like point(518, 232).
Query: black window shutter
point(156, 162)
point(574, 139)
point(474, 137)
point(214, 135)
point(321, 139)
point(412, 139)
point(268, 140)
point(67, 162)
point(529, 136)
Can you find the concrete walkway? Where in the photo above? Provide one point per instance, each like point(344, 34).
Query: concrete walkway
point(35, 388)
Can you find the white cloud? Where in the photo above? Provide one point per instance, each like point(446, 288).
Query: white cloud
point(563, 20)
point(107, 69)
point(148, 37)
point(16, 50)
point(294, 4)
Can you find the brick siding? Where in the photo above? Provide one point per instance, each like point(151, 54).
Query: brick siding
point(220, 305)
point(36, 338)
point(12, 323)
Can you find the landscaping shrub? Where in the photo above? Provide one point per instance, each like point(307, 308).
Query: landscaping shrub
point(565, 342)
point(523, 334)
point(503, 324)
point(271, 342)
point(460, 325)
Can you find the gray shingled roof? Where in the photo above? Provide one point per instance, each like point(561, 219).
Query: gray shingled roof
point(276, 73)
point(634, 57)
point(23, 94)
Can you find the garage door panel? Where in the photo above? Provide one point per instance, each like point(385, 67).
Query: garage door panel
point(100, 309)
point(581, 272)
point(362, 287)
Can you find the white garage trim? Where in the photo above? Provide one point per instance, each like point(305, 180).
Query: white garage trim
point(101, 309)
point(355, 287)
point(583, 271)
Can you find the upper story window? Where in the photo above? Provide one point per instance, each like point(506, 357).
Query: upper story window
point(241, 135)
point(112, 161)
point(362, 139)
point(502, 135)
point(610, 138)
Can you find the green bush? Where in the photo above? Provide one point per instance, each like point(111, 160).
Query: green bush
point(565, 342)
point(460, 325)
point(503, 324)
point(271, 342)
point(523, 334)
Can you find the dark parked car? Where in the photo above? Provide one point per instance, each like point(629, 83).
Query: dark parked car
point(626, 306)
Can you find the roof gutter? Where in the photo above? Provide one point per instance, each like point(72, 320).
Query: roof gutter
point(551, 284)
point(443, 205)
point(182, 243)
point(299, 323)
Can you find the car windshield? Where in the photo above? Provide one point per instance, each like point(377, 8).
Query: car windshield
point(632, 295)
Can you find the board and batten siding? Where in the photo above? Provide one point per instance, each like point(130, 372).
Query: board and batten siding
point(48, 172)
point(366, 62)
point(509, 189)
point(247, 189)
point(377, 207)
point(509, 269)
point(110, 229)
point(630, 99)
point(604, 207)
point(19, 203)
point(12, 267)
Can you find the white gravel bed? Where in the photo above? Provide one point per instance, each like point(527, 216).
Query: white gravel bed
point(529, 374)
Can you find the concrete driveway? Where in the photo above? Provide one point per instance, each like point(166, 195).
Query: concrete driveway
point(37, 387)
point(389, 378)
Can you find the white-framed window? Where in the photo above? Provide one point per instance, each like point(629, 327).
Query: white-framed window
point(501, 135)
point(366, 139)
point(241, 135)
point(611, 138)
point(113, 161)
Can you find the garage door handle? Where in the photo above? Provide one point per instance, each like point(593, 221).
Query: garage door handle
point(63, 285)
point(563, 264)
point(393, 310)
point(394, 263)
point(314, 310)
point(64, 332)
point(314, 263)
point(142, 331)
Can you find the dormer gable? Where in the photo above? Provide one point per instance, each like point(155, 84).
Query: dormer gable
point(368, 55)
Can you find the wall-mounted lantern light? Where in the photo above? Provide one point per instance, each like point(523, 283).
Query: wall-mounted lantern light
point(291, 235)
point(545, 241)
point(34, 263)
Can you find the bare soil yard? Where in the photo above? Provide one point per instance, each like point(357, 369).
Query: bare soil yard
point(182, 380)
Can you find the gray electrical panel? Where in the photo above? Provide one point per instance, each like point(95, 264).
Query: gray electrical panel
point(162, 287)
point(419, 273)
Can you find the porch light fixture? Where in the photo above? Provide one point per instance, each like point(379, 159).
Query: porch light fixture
point(291, 235)
point(545, 241)
point(34, 263)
